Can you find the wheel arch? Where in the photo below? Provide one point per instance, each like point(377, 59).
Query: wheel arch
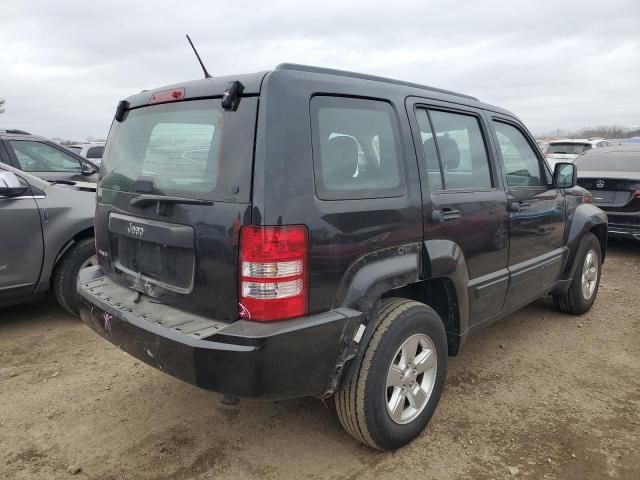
point(433, 272)
point(585, 219)
point(81, 235)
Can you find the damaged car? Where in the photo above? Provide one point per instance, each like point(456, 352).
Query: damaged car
point(315, 232)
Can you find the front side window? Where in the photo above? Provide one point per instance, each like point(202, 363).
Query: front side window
point(40, 157)
point(521, 164)
point(462, 151)
point(356, 149)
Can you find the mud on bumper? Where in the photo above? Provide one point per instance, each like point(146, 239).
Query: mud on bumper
point(291, 358)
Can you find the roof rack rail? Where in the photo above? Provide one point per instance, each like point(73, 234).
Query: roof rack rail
point(343, 73)
point(14, 131)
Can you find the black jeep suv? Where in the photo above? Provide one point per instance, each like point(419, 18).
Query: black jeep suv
point(312, 232)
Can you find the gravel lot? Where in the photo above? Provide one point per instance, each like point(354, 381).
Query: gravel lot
point(549, 395)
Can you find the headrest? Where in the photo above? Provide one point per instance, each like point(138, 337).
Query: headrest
point(341, 160)
point(449, 151)
point(429, 147)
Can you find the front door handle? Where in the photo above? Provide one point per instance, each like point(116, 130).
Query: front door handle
point(518, 206)
point(444, 215)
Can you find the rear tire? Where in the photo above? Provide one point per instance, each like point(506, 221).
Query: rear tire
point(65, 275)
point(389, 401)
point(586, 280)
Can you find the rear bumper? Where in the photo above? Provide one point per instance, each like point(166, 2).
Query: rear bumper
point(291, 358)
point(624, 231)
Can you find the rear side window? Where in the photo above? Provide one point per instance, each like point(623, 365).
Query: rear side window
point(356, 149)
point(40, 157)
point(461, 147)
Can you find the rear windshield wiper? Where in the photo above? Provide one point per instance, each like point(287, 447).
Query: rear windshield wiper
point(142, 200)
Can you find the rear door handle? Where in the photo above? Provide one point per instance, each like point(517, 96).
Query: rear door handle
point(445, 215)
point(518, 206)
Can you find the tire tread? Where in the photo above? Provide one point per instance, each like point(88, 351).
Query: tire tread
point(350, 400)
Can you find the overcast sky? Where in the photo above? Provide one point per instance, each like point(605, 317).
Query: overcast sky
point(557, 64)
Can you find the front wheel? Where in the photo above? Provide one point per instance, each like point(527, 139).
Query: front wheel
point(586, 280)
point(393, 394)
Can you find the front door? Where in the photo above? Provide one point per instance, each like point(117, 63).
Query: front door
point(536, 218)
point(21, 244)
point(463, 199)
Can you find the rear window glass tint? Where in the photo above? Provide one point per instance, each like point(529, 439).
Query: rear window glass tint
point(192, 149)
point(567, 148)
point(610, 161)
point(178, 153)
point(95, 152)
point(356, 149)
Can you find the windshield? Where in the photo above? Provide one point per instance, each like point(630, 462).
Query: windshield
point(568, 148)
point(610, 162)
point(193, 149)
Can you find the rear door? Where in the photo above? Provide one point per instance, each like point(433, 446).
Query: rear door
point(537, 213)
point(174, 190)
point(463, 198)
point(21, 244)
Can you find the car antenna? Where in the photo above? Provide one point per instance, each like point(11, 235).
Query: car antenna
point(204, 69)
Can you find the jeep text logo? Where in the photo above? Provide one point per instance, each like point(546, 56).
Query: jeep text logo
point(134, 230)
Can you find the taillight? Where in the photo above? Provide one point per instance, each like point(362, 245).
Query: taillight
point(273, 272)
point(636, 194)
point(173, 95)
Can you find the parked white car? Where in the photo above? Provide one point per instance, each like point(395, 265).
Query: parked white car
point(90, 150)
point(568, 149)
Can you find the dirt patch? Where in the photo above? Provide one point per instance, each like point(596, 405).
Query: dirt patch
point(552, 395)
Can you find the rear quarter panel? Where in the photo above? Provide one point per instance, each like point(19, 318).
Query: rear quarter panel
point(341, 231)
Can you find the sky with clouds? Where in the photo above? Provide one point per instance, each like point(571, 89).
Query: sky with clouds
point(557, 64)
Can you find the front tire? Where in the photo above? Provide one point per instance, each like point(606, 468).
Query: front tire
point(396, 389)
point(586, 280)
point(65, 275)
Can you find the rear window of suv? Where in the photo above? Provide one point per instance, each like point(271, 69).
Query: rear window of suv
point(356, 149)
point(568, 148)
point(193, 149)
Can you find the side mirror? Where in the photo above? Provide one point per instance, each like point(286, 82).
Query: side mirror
point(565, 175)
point(88, 169)
point(10, 185)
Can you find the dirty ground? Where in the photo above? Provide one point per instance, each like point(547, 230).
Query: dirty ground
point(537, 395)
